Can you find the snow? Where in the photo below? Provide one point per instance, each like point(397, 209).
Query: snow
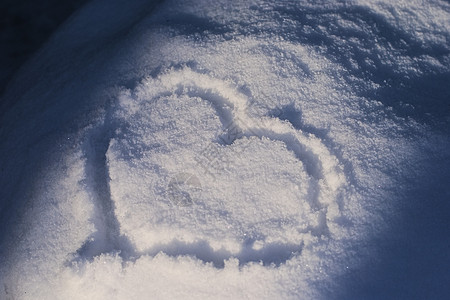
point(25, 27)
point(230, 149)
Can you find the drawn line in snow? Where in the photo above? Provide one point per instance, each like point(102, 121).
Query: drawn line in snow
point(269, 254)
point(107, 238)
point(231, 107)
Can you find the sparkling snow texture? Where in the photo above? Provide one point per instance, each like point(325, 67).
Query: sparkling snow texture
point(219, 149)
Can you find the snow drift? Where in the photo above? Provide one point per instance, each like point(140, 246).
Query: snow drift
point(231, 149)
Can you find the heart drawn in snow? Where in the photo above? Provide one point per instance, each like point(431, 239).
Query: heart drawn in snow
point(193, 173)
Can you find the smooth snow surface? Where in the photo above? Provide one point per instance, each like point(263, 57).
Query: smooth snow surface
point(223, 149)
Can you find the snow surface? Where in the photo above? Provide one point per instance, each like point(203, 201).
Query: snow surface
point(25, 25)
point(230, 150)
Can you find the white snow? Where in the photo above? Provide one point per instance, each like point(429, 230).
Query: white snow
point(224, 149)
